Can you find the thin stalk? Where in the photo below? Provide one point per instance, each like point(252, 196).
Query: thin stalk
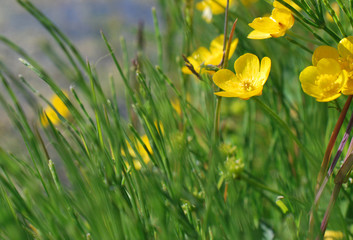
point(331, 143)
point(326, 159)
point(217, 118)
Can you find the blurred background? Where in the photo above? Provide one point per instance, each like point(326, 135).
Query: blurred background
point(81, 21)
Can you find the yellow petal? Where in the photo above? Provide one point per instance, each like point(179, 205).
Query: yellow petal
point(324, 52)
point(345, 47)
point(246, 95)
point(259, 35)
point(201, 5)
point(328, 66)
point(307, 78)
point(265, 25)
point(233, 46)
point(247, 65)
point(225, 79)
point(264, 70)
point(226, 94)
point(276, 4)
point(283, 17)
point(217, 44)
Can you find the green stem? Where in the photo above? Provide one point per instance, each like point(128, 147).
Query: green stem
point(261, 186)
point(217, 118)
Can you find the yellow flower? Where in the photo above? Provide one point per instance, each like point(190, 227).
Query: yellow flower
point(213, 56)
point(49, 113)
point(142, 152)
point(275, 25)
point(331, 73)
point(325, 80)
point(212, 7)
point(249, 79)
point(336, 9)
point(333, 235)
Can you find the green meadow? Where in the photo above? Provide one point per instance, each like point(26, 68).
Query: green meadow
point(218, 119)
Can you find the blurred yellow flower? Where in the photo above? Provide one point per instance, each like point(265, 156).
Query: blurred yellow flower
point(49, 112)
point(212, 7)
point(336, 9)
point(213, 56)
point(249, 79)
point(333, 235)
point(276, 25)
point(142, 152)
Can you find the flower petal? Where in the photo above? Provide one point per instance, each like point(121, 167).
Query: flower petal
point(226, 94)
point(328, 66)
point(307, 78)
point(259, 35)
point(247, 66)
point(324, 52)
point(217, 44)
point(283, 17)
point(276, 4)
point(265, 25)
point(264, 70)
point(345, 47)
point(225, 79)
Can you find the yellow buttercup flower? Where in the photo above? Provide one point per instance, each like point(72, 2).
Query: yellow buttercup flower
point(213, 56)
point(49, 112)
point(276, 25)
point(325, 80)
point(249, 79)
point(332, 72)
point(212, 7)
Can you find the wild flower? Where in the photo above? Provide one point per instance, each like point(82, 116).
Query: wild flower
point(202, 56)
point(276, 25)
point(212, 7)
point(249, 79)
point(51, 114)
point(332, 72)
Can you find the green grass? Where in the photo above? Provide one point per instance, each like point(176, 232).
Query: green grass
point(76, 180)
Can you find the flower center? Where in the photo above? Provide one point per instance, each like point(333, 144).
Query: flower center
point(327, 82)
point(247, 85)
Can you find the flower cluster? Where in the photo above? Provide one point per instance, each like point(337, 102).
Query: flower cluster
point(275, 25)
point(331, 73)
